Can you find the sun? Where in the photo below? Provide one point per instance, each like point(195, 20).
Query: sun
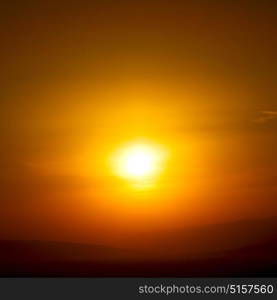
point(138, 161)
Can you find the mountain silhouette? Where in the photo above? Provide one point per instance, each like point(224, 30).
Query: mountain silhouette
point(243, 248)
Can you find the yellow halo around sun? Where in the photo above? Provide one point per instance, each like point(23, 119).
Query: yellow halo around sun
point(138, 161)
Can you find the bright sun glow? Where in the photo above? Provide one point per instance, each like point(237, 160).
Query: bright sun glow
point(138, 161)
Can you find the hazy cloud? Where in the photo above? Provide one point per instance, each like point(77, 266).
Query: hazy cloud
point(266, 116)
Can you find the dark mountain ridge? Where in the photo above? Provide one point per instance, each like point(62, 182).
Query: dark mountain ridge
point(245, 248)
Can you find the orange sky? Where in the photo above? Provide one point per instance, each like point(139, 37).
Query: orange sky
point(79, 80)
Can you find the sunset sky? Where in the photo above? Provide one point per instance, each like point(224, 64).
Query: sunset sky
point(192, 82)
